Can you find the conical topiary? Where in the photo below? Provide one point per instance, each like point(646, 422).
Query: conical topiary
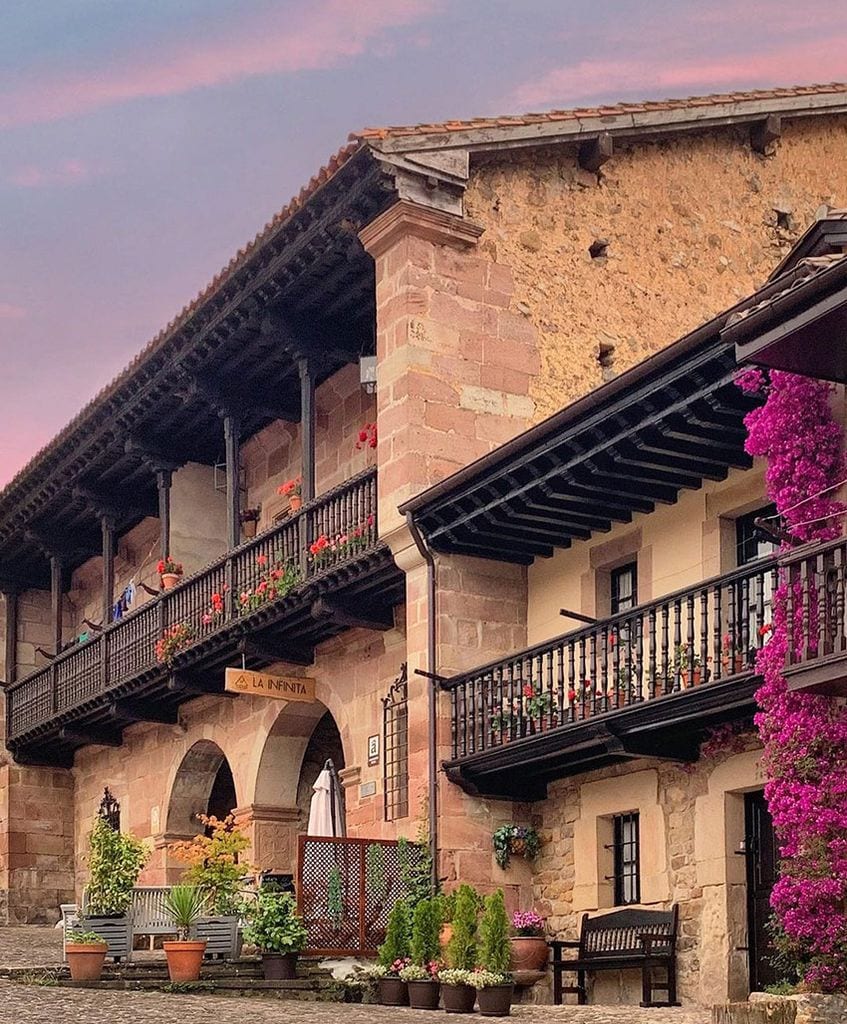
point(426, 930)
point(397, 935)
point(495, 949)
point(461, 950)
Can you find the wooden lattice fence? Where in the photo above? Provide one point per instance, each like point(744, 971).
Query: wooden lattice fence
point(346, 889)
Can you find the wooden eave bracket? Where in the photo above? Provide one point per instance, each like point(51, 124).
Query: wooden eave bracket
point(763, 134)
point(270, 652)
point(131, 711)
point(90, 736)
point(344, 614)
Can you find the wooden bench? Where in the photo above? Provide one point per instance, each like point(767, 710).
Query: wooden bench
point(643, 939)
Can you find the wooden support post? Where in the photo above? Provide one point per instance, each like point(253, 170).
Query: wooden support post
point(107, 525)
point(232, 437)
point(307, 427)
point(164, 477)
point(10, 595)
point(56, 601)
point(593, 153)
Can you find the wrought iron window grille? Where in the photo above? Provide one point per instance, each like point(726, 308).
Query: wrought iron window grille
point(395, 745)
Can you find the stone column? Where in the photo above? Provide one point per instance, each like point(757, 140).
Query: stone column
point(273, 832)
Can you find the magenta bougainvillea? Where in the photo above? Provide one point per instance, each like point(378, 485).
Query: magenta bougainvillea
point(805, 737)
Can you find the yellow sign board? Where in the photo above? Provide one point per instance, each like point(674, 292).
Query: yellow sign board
point(242, 680)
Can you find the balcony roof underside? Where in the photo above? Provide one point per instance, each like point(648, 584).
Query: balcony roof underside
point(285, 631)
point(667, 728)
point(665, 425)
point(307, 291)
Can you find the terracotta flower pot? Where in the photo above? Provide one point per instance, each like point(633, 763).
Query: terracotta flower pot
point(85, 960)
point(393, 992)
point(248, 528)
point(446, 934)
point(423, 995)
point(184, 959)
point(458, 998)
point(689, 678)
point(279, 966)
point(496, 1001)
point(295, 502)
point(169, 580)
point(529, 953)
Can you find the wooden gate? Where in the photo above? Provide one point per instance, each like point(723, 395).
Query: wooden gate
point(346, 889)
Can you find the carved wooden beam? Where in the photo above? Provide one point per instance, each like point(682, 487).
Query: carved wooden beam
point(593, 153)
point(353, 617)
point(763, 134)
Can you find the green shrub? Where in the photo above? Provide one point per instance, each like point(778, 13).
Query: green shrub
point(397, 945)
point(461, 950)
point(426, 930)
point(115, 860)
point(273, 924)
point(184, 904)
point(495, 949)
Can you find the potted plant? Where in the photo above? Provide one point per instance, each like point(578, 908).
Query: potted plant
point(529, 947)
point(393, 955)
point(421, 975)
point(493, 981)
point(293, 490)
point(278, 933)
point(448, 908)
point(457, 991)
point(249, 519)
point(687, 667)
point(184, 904)
point(115, 860)
point(216, 866)
point(169, 572)
point(86, 953)
point(509, 839)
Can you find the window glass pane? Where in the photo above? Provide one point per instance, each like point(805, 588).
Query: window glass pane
point(624, 588)
point(626, 859)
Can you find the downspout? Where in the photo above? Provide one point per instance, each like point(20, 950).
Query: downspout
point(426, 554)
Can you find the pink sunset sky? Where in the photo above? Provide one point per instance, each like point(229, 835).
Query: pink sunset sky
point(142, 144)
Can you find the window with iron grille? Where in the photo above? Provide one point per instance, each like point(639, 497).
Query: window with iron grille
point(395, 744)
point(751, 542)
point(627, 867)
point(624, 588)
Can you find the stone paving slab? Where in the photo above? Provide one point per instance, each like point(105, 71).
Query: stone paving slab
point(35, 1004)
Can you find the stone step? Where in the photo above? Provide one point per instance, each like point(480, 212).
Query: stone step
point(299, 989)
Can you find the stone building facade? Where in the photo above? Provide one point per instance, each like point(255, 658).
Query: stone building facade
point(513, 272)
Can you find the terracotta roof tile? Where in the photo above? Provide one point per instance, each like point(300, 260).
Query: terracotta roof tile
point(607, 110)
point(799, 276)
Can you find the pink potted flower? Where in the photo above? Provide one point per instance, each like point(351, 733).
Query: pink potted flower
point(529, 947)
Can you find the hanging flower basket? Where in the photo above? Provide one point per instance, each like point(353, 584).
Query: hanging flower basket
point(514, 839)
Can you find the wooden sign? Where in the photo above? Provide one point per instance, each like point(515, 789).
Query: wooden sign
point(242, 680)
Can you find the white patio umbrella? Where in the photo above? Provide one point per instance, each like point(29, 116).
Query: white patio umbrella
point(326, 816)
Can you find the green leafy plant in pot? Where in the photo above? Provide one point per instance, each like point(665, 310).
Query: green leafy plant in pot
point(494, 983)
point(86, 954)
point(115, 861)
point(394, 955)
point(421, 975)
point(457, 991)
point(278, 933)
point(184, 904)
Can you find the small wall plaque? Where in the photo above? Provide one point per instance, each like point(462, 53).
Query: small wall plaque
point(373, 750)
point(367, 789)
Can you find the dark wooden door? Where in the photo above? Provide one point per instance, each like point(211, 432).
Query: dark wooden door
point(762, 861)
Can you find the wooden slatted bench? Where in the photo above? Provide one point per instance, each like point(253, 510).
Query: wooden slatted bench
point(643, 939)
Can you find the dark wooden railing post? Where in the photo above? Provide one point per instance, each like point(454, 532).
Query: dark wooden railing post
point(10, 598)
point(107, 526)
point(307, 427)
point(232, 442)
point(164, 478)
point(56, 573)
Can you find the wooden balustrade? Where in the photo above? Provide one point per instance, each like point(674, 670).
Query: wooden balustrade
point(325, 533)
point(816, 637)
point(691, 638)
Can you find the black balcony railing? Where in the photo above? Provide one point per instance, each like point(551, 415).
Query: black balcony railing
point(815, 580)
point(689, 639)
point(325, 534)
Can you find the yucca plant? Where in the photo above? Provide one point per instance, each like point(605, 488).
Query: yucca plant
point(184, 904)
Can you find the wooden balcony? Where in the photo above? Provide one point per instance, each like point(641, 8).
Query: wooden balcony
point(271, 599)
point(646, 683)
point(816, 656)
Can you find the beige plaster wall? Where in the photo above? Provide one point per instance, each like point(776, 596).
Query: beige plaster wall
point(198, 517)
point(691, 223)
point(691, 824)
point(675, 546)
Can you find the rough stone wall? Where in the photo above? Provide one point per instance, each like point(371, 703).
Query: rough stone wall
point(273, 455)
point(693, 223)
point(265, 742)
point(709, 890)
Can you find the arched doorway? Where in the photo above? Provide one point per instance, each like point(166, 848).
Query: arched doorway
point(324, 744)
point(203, 785)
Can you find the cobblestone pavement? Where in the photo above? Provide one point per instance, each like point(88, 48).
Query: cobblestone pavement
point(30, 946)
point(32, 1004)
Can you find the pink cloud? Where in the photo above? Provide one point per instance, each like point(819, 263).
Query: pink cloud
point(318, 36)
point(8, 311)
point(820, 60)
point(68, 172)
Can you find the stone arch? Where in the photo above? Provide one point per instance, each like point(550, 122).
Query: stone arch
point(203, 784)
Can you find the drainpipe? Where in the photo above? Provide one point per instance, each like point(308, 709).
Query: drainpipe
point(426, 554)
